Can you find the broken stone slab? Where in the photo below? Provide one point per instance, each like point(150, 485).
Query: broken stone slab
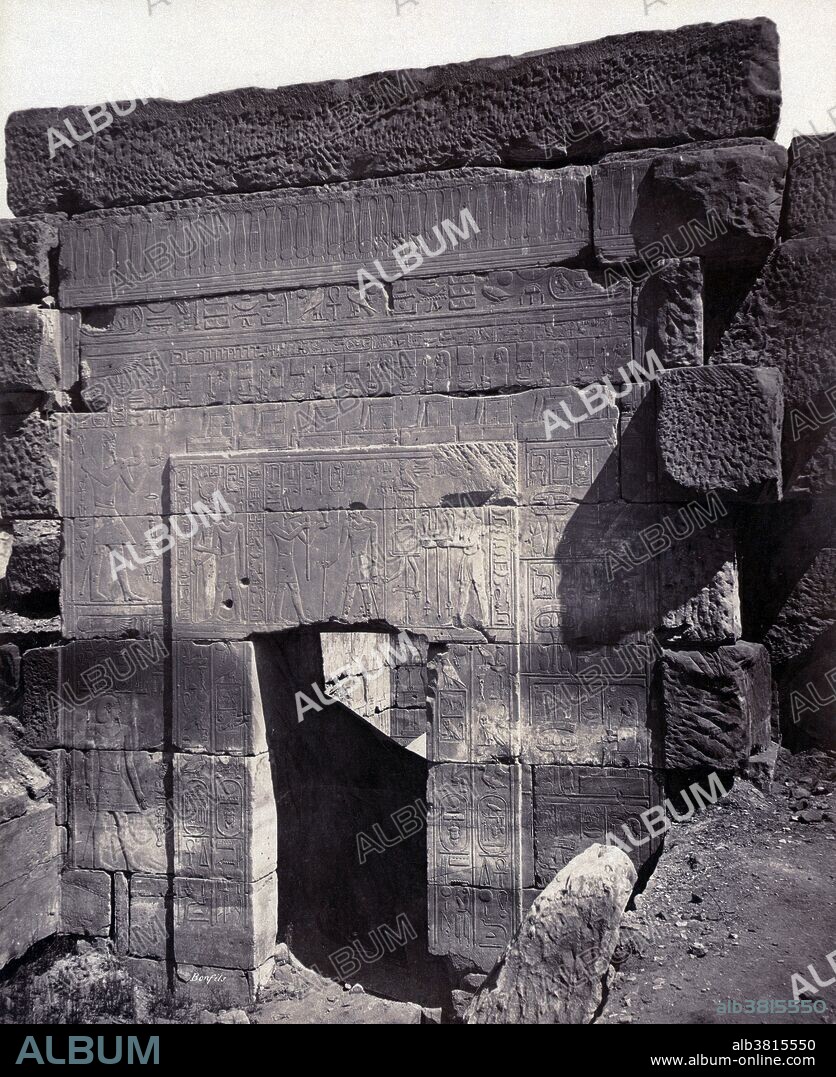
point(225, 923)
point(467, 220)
point(29, 840)
point(575, 102)
point(574, 806)
point(38, 349)
point(668, 310)
point(113, 463)
point(85, 903)
point(464, 334)
point(23, 785)
point(719, 429)
point(715, 200)
point(30, 461)
point(31, 908)
point(479, 826)
point(786, 322)
point(552, 971)
point(34, 566)
point(26, 251)
point(673, 574)
point(120, 810)
point(87, 694)
point(225, 817)
point(808, 608)
point(717, 706)
point(217, 699)
point(811, 187)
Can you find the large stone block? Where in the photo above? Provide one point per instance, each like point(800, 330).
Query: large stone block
point(31, 907)
point(576, 806)
point(479, 826)
point(325, 236)
point(217, 700)
point(34, 566)
point(120, 810)
point(811, 187)
point(29, 840)
point(713, 200)
point(225, 817)
point(552, 973)
point(38, 349)
point(668, 314)
point(86, 903)
point(30, 461)
point(224, 923)
point(719, 429)
point(26, 250)
point(717, 706)
point(464, 334)
point(95, 694)
point(786, 322)
point(555, 104)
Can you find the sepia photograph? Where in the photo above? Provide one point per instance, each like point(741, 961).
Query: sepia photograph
point(417, 500)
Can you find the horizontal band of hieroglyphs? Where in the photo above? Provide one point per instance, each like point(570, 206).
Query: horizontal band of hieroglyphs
point(319, 235)
point(113, 462)
point(526, 328)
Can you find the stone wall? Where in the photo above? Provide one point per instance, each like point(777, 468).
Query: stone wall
point(583, 568)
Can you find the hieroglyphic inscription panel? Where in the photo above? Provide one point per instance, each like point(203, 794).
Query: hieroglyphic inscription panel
point(577, 806)
point(322, 235)
point(480, 825)
point(463, 334)
point(217, 702)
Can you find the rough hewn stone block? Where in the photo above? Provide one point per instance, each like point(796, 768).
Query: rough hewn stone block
point(22, 782)
point(714, 200)
point(719, 428)
point(31, 910)
point(85, 902)
point(35, 563)
point(669, 315)
point(556, 104)
point(30, 453)
point(26, 246)
point(38, 349)
point(811, 187)
point(787, 322)
point(29, 840)
point(717, 706)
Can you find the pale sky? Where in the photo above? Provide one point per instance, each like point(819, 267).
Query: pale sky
point(83, 52)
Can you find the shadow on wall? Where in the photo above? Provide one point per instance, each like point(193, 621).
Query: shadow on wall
point(336, 776)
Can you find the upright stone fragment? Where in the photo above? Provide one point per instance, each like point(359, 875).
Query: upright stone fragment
point(552, 971)
point(559, 104)
point(811, 187)
point(26, 250)
point(719, 429)
point(786, 322)
point(717, 706)
point(34, 565)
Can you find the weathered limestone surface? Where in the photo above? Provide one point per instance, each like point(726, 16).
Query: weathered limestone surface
point(811, 187)
point(217, 700)
point(714, 200)
point(26, 249)
point(719, 428)
point(669, 314)
point(787, 322)
point(710, 81)
point(86, 903)
point(38, 349)
point(552, 971)
point(717, 706)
